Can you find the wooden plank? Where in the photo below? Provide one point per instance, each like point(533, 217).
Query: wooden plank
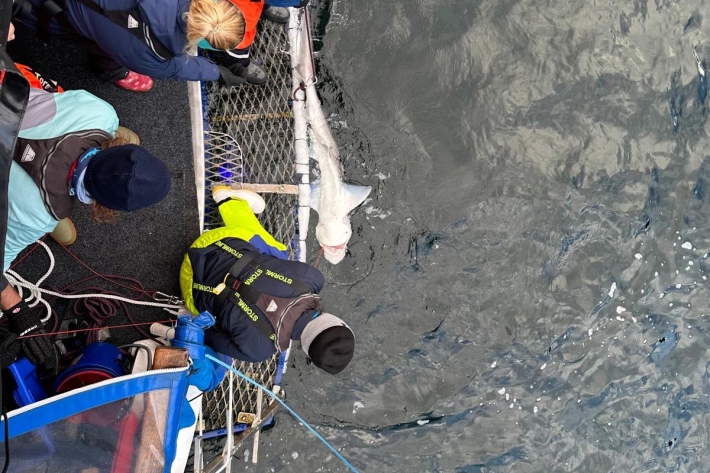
point(268, 188)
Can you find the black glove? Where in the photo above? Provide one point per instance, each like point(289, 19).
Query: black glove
point(228, 78)
point(9, 348)
point(24, 321)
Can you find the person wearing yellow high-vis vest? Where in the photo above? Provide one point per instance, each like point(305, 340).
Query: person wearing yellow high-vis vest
point(261, 300)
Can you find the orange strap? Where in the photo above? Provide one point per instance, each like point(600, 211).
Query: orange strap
point(251, 11)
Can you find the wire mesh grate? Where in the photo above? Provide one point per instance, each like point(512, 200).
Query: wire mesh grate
point(215, 405)
point(249, 139)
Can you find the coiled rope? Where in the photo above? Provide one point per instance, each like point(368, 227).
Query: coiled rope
point(97, 306)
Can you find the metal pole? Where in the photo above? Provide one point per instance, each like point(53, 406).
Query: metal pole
point(229, 446)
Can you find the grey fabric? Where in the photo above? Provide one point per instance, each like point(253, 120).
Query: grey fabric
point(43, 109)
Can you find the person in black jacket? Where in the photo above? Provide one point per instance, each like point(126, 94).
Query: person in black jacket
point(261, 300)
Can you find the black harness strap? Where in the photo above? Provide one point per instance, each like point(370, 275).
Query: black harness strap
point(248, 260)
point(240, 293)
point(248, 309)
point(241, 263)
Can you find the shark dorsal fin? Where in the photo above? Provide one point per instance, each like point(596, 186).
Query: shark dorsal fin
point(352, 196)
point(355, 195)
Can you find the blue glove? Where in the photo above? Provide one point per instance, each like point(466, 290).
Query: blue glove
point(206, 374)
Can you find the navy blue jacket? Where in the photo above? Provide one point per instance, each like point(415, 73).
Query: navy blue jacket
point(235, 334)
point(165, 19)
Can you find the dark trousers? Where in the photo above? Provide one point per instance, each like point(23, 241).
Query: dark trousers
point(103, 65)
point(106, 68)
point(237, 60)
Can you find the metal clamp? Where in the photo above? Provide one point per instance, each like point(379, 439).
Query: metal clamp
point(167, 298)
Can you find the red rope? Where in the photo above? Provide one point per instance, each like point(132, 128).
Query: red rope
point(106, 278)
point(96, 311)
point(318, 259)
point(95, 328)
point(28, 253)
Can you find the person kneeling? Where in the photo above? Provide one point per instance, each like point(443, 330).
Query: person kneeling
point(261, 300)
point(47, 178)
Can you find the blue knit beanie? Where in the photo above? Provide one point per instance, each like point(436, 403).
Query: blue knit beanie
point(126, 178)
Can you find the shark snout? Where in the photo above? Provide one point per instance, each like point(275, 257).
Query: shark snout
point(334, 254)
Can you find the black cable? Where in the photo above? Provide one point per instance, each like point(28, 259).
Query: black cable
point(147, 353)
point(196, 397)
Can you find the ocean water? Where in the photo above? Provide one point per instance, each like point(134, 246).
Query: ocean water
point(528, 282)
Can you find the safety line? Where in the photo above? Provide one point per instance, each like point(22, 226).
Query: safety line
point(96, 328)
point(293, 413)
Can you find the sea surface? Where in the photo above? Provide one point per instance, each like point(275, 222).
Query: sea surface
point(528, 282)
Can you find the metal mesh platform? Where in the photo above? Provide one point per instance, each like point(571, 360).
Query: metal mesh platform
point(259, 122)
point(248, 140)
point(215, 405)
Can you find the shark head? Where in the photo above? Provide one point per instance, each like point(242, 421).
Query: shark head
point(334, 230)
point(334, 238)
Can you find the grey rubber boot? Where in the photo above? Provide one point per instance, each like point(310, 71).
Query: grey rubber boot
point(276, 14)
point(254, 74)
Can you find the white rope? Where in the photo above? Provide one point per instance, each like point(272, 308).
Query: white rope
point(36, 292)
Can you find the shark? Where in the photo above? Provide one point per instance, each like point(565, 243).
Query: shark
point(331, 198)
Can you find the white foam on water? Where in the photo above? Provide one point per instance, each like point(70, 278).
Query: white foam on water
point(377, 213)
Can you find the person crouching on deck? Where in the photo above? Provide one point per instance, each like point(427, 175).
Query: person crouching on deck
point(47, 178)
point(261, 300)
point(132, 42)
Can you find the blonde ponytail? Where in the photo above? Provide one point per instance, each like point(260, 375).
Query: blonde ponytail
point(217, 21)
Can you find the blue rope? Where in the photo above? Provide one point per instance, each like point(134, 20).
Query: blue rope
point(293, 413)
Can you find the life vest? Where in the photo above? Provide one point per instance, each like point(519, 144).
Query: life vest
point(49, 163)
point(281, 312)
point(37, 81)
point(251, 11)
